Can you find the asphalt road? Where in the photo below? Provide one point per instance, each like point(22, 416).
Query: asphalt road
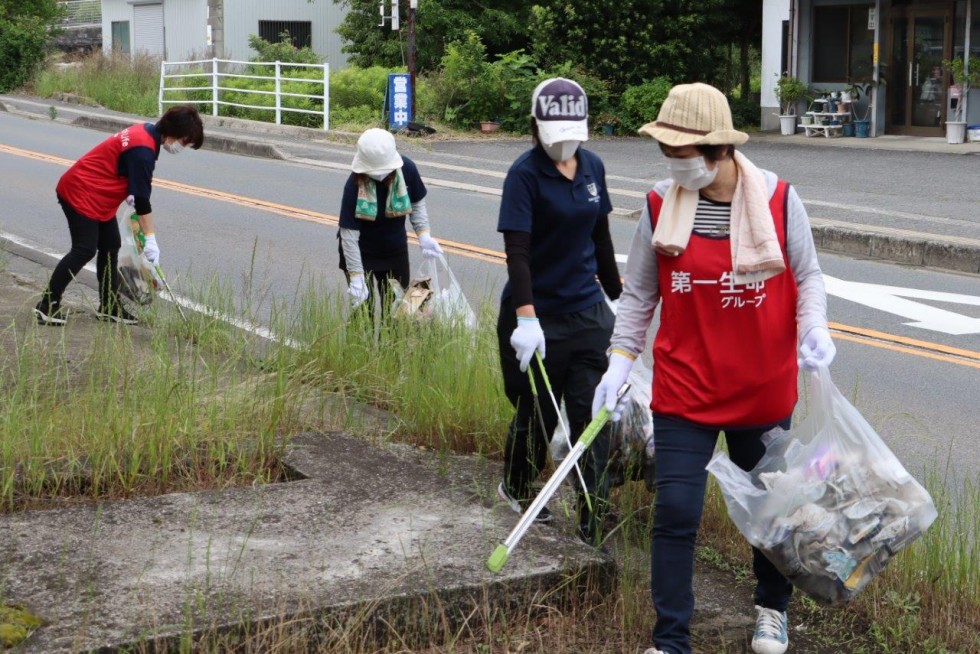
point(908, 380)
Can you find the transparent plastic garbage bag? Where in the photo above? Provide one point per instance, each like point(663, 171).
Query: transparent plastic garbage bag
point(631, 447)
point(433, 293)
point(139, 280)
point(829, 504)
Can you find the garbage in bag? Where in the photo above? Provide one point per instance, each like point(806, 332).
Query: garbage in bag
point(829, 504)
point(433, 293)
point(631, 447)
point(140, 281)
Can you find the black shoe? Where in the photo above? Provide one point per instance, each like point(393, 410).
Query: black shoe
point(118, 314)
point(544, 515)
point(50, 313)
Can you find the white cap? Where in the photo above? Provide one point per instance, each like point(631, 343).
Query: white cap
point(561, 110)
point(376, 152)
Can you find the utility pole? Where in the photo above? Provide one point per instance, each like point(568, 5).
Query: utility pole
point(412, 6)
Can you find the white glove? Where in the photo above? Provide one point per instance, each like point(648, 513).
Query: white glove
point(605, 393)
point(358, 291)
point(527, 339)
point(817, 349)
point(151, 251)
point(430, 247)
point(131, 201)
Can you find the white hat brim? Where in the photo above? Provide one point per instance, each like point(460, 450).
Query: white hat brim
point(552, 131)
point(359, 165)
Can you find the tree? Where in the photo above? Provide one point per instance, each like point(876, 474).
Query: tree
point(629, 41)
point(501, 26)
point(25, 28)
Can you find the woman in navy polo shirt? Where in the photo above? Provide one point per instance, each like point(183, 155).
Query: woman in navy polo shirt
point(383, 188)
point(554, 219)
point(91, 191)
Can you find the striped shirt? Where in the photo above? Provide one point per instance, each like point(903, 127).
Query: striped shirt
point(713, 219)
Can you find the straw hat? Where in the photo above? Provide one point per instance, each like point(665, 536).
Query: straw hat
point(376, 152)
point(694, 114)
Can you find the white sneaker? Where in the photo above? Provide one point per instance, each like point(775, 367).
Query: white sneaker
point(771, 635)
point(654, 650)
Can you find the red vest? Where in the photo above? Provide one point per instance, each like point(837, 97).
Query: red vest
point(724, 355)
point(92, 186)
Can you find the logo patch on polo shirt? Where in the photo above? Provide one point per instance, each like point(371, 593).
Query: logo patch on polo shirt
point(593, 189)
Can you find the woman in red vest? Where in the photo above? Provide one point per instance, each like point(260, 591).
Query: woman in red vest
point(91, 192)
point(726, 250)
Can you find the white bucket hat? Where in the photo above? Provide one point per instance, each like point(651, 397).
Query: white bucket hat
point(376, 152)
point(561, 110)
point(694, 114)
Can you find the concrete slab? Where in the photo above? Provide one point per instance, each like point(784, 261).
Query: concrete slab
point(369, 536)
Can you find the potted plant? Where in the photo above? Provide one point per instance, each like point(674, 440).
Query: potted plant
point(862, 121)
point(963, 80)
point(790, 91)
point(607, 122)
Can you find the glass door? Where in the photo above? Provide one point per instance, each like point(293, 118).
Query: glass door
point(921, 37)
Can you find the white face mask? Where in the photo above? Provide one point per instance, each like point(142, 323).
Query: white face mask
point(561, 150)
point(692, 174)
point(173, 147)
point(379, 177)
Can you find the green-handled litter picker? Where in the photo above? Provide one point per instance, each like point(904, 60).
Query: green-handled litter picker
point(498, 559)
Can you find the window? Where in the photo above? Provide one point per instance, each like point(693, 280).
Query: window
point(842, 43)
point(120, 36)
point(299, 32)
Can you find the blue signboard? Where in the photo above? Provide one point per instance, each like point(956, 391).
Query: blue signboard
point(399, 100)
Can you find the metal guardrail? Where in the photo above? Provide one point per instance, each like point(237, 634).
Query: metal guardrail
point(213, 71)
point(82, 13)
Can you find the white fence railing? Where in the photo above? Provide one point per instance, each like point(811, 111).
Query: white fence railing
point(82, 13)
point(214, 73)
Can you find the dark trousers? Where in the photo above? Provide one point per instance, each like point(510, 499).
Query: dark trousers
point(575, 359)
point(89, 238)
point(683, 451)
point(380, 270)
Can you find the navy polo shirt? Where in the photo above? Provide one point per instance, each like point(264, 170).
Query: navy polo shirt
point(383, 237)
point(560, 215)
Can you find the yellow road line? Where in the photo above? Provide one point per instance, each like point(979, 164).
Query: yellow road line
point(870, 337)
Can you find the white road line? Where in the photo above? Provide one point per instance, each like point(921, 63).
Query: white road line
point(250, 327)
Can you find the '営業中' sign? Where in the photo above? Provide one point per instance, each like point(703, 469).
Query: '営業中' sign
point(399, 100)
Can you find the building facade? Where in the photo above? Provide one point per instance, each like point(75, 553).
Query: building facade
point(181, 30)
point(890, 49)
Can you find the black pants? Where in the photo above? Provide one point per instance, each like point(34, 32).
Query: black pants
point(575, 359)
point(89, 238)
point(380, 270)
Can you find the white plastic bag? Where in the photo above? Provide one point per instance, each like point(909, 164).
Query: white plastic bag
point(139, 280)
point(829, 504)
point(435, 293)
point(631, 448)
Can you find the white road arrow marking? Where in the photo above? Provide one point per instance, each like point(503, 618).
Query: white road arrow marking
point(892, 299)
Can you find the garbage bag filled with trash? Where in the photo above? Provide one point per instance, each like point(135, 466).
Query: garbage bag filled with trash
point(829, 504)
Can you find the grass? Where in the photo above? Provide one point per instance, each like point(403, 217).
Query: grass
point(200, 405)
point(118, 82)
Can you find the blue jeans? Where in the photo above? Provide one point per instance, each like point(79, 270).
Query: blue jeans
point(683, 449)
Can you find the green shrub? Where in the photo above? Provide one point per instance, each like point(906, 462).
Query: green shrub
point(282, 51)
point(641, 103)
point(745, 112)
point(118, 82)
point(359, 87)
point(22, 48)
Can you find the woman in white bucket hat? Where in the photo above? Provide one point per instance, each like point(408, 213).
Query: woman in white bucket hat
point(726, 249)
point(554, 217)
point(383, 189)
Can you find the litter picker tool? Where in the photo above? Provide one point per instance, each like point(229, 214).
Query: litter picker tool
point(498, 559)
point(173, 298)
point(564, 429)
